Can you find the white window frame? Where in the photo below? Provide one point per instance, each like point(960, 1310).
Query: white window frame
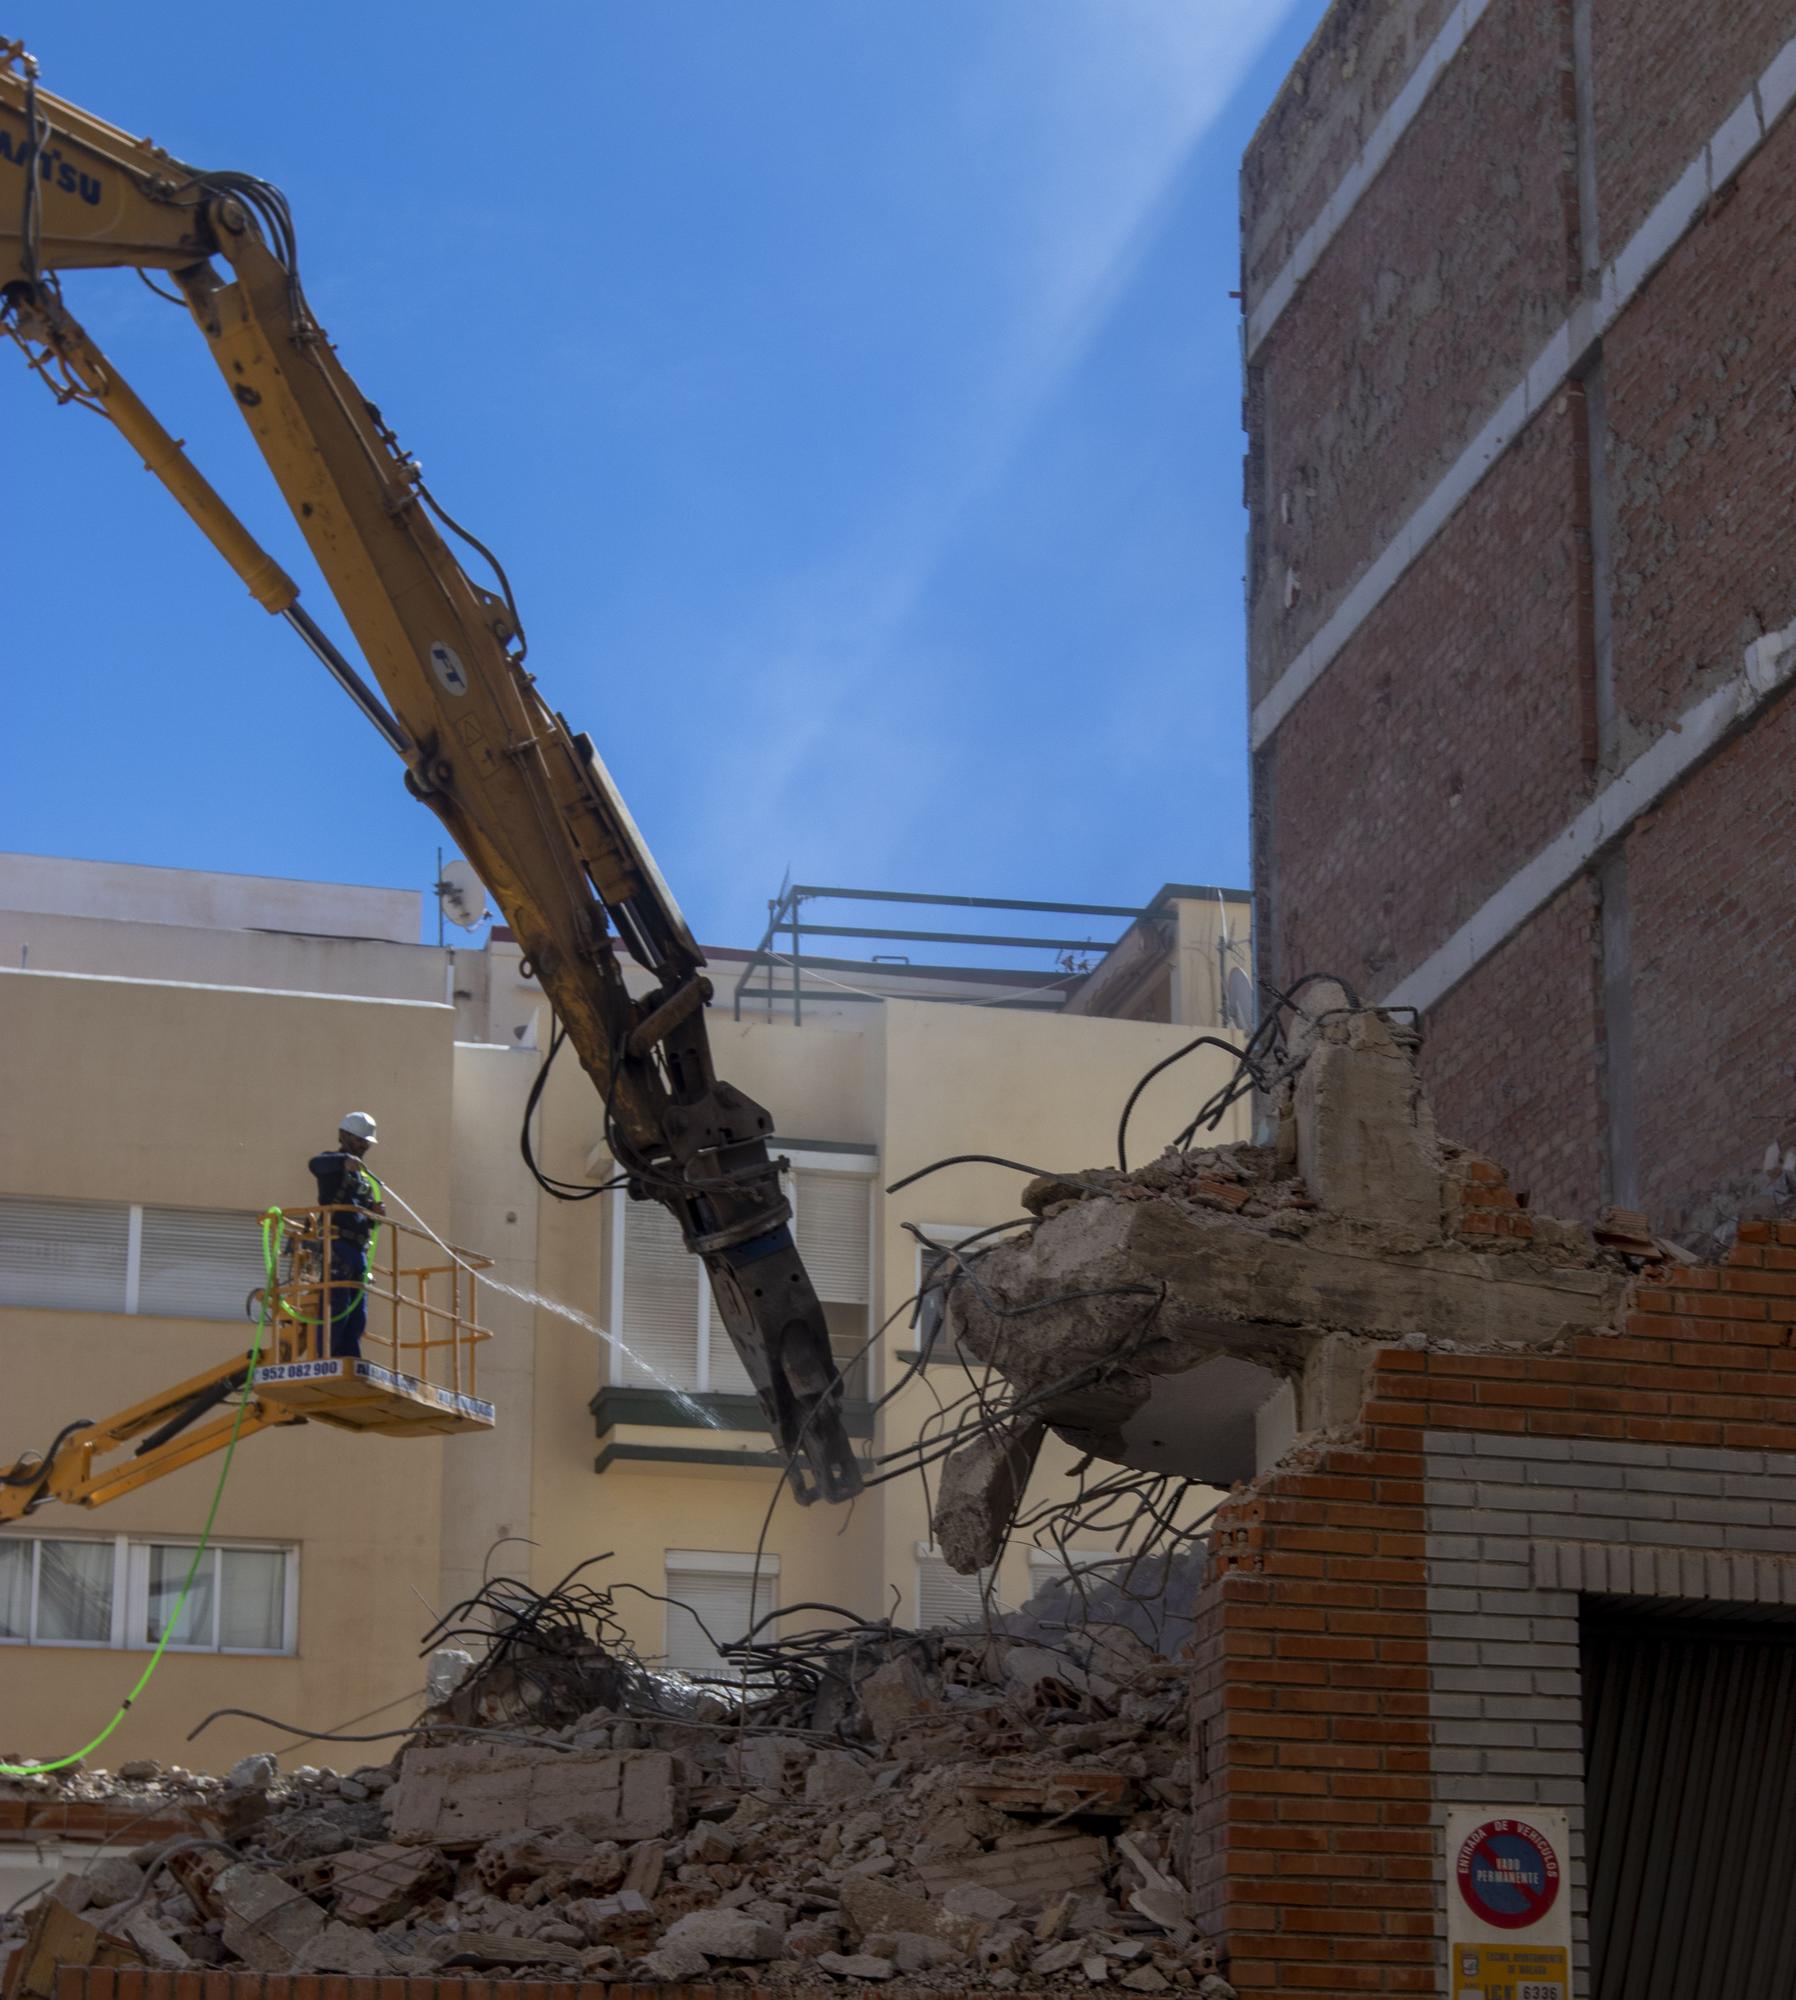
point(762, 1575)
point(137, 1596)
point(930, 1552)
point(129, 1621)
point(864, 1165)
point(113, 1642)
point(1066, 1566)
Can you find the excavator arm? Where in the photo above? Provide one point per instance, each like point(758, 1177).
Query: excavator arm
point(173, 1428)
point(524, 797)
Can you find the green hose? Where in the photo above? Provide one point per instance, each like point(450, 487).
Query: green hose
point(271, 1223)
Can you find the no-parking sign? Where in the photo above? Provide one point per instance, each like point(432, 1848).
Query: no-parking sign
point(1508, 1904)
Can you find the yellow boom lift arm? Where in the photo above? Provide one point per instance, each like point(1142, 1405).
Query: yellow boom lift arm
point(524, 797)
point(421, 1379)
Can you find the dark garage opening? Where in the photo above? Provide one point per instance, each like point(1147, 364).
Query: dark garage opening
point(1690, 1788)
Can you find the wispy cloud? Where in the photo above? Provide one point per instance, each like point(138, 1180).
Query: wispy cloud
point(1085, 112)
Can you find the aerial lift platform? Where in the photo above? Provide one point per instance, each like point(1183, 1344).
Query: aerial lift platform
point(416, 1376)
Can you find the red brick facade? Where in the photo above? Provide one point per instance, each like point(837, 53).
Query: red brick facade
point(1601, 569)
point(1316, 1841)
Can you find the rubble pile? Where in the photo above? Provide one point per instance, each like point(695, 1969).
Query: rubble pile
point(1005, 1807)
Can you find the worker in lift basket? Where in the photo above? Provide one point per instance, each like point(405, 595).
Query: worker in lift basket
point(343, 1182)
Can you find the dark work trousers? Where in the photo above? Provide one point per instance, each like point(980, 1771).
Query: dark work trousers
point(348, 1299)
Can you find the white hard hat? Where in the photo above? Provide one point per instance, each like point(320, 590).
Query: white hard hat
point(358, 1125)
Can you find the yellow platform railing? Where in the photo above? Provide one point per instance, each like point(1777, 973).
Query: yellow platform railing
point(422, 1317)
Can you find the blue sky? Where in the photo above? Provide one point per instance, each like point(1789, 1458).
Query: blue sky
point(851, 390)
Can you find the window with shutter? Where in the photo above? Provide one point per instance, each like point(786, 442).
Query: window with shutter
point(57, 1592)
point(713, 1603)
point(252, 1600)
point(946, 1598)
point(198, 1263)
point(74, 1593)
point(832, 1231)
point(241, 1600)
point(660, 1302)
point(1072, 1569)
point(726, 1376)
point(69, 1254)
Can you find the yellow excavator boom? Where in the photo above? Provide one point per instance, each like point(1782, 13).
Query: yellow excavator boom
point(524, 797)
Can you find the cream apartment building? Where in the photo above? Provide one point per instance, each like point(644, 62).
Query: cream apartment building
point(174, 1046)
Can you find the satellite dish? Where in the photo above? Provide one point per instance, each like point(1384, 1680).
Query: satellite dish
point(1240, 1000)
point(462, 896)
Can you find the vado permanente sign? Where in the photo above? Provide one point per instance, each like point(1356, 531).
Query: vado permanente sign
point(1508, 1904)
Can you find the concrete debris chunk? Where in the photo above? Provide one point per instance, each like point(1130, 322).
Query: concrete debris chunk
point(672, 1963)
point(254, 1773)
point(113, 1879)
point(483, 1950)
point(463, 1795)
point(647, 1861)
point(858, 1965)
point(267, 1922)
point(523, 1855)
point(380, 1883)
point(892, 1696)
point(871, 1907)
point(160, 1951)
point(341, 1947)
point(981, 1485)
point(834, 1776)
point(725, 1934)
point(1028, 1874)
point(973, 1899)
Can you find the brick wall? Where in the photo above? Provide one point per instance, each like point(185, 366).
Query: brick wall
point(1448, 275)
point(1391, 1626)
point(1699, 379)
point(1715, 967)
point(1666, 72)
point(1510, 1057)
point(1432, 760)
point(1357, 61)
point(1484, 665)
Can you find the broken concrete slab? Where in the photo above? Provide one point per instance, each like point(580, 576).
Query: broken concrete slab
point(856, 1965)
point(1205, 1336)
point(728, 1934)
point(160, 1951)
point(341, 1947)
point(1029, 1872)
point(381, 1883)
point(871, 1907)
point(463, 1795)
point(267, 1922)
point(482, 1949)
